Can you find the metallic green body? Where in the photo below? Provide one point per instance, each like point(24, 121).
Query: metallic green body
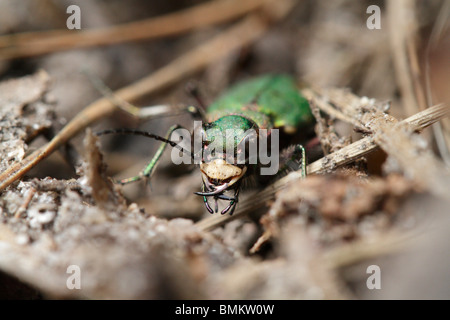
point(271, 101)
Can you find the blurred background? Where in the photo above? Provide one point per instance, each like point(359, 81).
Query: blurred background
point(324, 43)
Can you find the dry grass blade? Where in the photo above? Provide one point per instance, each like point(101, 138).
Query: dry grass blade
point(403, 26)
point(336, 159)
point(441, 130)
point(38, 43)
point(235, 37)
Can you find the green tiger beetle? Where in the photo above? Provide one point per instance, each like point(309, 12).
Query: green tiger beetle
point(250, 110)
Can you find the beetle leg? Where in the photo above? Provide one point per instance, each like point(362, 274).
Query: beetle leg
point(233, 202)
point(224, 197)
point(205, 200)
point(303, 165)
point(149, 169)
point(232, 209)
point(291, 161)
point(208, 207)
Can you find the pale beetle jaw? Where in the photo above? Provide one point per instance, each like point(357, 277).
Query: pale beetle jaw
point(218, 176)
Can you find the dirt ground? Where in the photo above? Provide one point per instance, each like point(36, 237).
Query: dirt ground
point(369, 221)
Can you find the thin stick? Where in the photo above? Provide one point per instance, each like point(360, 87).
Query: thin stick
point(235, 37)
point(336, 159)
point(441, 130)
point(23, 208)
point(141, 113)
point(210, 13)
point(401, 16)
point(323, 104)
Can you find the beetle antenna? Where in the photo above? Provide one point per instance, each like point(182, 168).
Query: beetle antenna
point(192, 89)
point(135, 132)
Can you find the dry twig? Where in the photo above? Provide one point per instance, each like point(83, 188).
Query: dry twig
point(403, 27)
point(37, 43)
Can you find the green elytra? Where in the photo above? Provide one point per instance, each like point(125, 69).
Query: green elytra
point(271, 101)
point(266, 102)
